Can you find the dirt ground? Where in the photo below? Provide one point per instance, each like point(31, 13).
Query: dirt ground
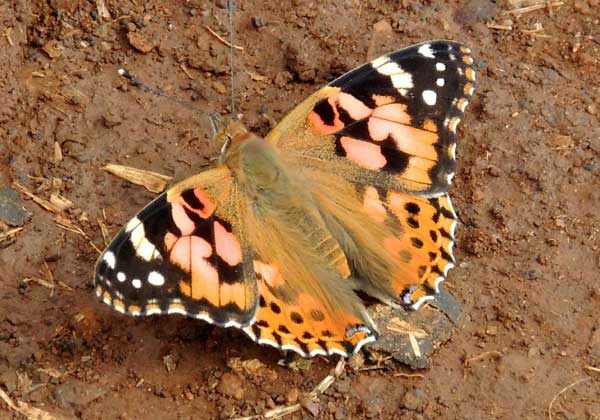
point(527, 193)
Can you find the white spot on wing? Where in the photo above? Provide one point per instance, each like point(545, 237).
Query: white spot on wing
point(143, 247)
point(440, 82)
point(400, 78)
point(230, 324)
point(109, 258)
point(421, 301)
point(451, 206)
point(426, 51)
point(380, 61)
point(453, 150)
point(156, 279)
point(318, 352)
point(121, 276)
point(437, 283)
point(430, 97)
point(440, 66)
point(447, 268)
point(452, 230)
point(154, 311)
point(176, 310)
point(137, 283)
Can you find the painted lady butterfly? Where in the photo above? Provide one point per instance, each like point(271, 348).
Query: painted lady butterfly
point(347, 193)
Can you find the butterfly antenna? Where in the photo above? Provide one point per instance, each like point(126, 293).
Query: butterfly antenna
point(230, 10)
point(136, 82)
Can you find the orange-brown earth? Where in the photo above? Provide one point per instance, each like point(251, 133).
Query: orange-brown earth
point(527, 193)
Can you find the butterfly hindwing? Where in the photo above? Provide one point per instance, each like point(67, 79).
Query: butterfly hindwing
point(392, 121)
point(182, 254)
point(306, 323)
point(398, 246)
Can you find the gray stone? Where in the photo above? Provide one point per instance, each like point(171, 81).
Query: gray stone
point(11, 211)
point(75, 393)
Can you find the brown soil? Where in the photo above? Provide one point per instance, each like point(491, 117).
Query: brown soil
point(527, 193)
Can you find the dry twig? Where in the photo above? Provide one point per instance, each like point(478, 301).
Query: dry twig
point(562, 391)
point(104, 231)
point(186, 71)
point(223, 40)
point(69, 226)
point(486, 355)
point(500, 27)
point(102, 10)
point(152, 181)
point(43, 203)
point(522, 10)
point(26, 410)
point(409, 375)
point(10, 233)
point(592, 370)
point(6, 34)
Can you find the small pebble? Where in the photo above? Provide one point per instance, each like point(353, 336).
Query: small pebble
point(258, 22)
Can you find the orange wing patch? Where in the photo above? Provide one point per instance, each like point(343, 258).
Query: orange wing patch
point(425, 247)
point(305, 325)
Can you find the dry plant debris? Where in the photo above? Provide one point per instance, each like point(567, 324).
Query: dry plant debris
point(152, 181)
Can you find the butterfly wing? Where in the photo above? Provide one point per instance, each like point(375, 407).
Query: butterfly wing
point(184, 253)
point(378, 148)
point(398, 245)
point(325, 321)
point(390, 123)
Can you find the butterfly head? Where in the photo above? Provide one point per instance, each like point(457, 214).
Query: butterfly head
point(227, 134)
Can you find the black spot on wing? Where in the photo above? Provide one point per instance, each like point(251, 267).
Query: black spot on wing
point(303, 346)
point(348, 347)
point(228, 274)
point(412, 208)
point(357, 130)
point(396, 161)
point(325, 111)
point(364, 82)
point(345, 116)
point(191, 199)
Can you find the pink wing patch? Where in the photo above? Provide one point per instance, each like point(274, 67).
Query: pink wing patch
point(227, 245)
point(365, 154)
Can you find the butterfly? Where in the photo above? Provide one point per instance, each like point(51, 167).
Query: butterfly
point(349, 192)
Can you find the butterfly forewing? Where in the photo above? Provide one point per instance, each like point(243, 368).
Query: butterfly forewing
point(185, 254)
point(391, 122)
